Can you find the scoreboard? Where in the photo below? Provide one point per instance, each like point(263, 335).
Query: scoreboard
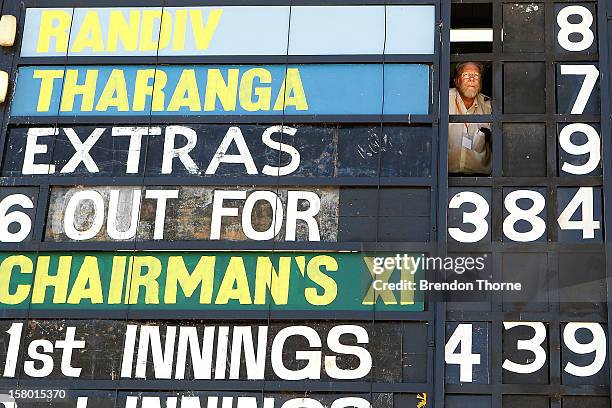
point(243, 204)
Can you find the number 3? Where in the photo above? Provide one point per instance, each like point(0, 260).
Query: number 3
point(533, 345)
point(477, 217)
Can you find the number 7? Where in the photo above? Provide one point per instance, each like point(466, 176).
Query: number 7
point(591, 73)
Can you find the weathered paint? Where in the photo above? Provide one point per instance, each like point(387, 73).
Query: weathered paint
point(371, 351)
point(266, 151)
point(186, 213)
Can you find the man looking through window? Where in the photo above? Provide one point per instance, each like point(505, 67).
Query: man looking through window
point(469, 145)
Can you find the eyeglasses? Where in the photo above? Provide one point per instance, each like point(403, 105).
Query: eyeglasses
point(467, 75)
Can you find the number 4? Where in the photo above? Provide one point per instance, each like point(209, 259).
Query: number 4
point(462, 338)
point(591, 73)
point(584, 198)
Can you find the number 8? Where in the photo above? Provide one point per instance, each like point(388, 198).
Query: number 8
point(538, 226)
point(567, 28)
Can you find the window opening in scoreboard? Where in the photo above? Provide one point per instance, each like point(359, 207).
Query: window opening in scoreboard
point(471, 28)
point(470, 87)
point(469, 142)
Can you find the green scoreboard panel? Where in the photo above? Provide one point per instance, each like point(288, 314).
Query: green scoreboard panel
point(246, 204)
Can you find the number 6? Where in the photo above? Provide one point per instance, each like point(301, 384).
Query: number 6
point(18, 217)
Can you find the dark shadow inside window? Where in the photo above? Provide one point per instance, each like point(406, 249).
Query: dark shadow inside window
point(471, 16)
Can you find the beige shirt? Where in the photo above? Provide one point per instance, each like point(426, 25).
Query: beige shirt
point(469, 154)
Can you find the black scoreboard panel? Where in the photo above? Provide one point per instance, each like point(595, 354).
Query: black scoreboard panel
point(196, 251)
point(546, 67)
point(124, 352)
point(325, 151)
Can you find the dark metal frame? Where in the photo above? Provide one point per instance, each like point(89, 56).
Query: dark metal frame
point(605, 53)
point(554, 319)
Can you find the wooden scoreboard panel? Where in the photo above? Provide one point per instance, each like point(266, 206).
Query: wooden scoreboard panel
point(235, 204)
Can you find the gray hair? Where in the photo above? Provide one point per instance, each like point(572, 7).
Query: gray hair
point(459, 67)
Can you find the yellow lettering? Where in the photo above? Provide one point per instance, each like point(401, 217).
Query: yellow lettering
point(372, 295)
point(114, 93)
point(216, 87)
point(407, 275)
point(90, 34)
point(148, 280)
point(54, 24)
point(291, 92)
point(24, 265)
point(266, 277)
point(87, 284)
point(178, 275)
point(115, 288)
point(264, 94)
point(142, 89)
point(47, 77)
point(202, 34)
point(328, 284)
point(121, 30)
point(186, 93)
point(58, 282)
point(71, 89)
point(180, 27)
point(165, 34)
point(159, 97)
point(235, 284)
point(150, 39)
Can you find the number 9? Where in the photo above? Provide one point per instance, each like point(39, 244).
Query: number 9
point(591, 147)
point(597, 345)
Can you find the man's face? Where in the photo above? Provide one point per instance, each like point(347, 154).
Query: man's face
point(468, 82)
